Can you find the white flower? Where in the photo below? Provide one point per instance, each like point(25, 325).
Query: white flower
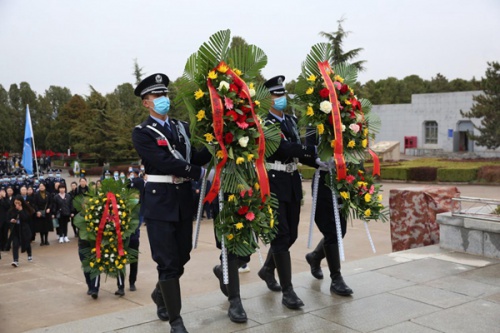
point(343, 127)
point(252, 92)
point(354, 128)
point(106, 255)
point(325, 106)
point(359, 118)
point(223, 84)
point(99, 208)
point(243, 141)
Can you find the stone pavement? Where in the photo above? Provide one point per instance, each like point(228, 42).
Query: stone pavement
point(400, 291)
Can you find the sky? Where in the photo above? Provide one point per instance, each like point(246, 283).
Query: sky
point(79, 43)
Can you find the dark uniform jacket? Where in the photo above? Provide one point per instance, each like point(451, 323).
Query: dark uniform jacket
point(166, 201)
point(287, 186)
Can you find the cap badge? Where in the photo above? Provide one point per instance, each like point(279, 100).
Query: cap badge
point(280, 80)
point(158, 79)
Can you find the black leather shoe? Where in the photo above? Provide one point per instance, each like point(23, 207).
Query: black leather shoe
point(132, 287)
point(291, 300)
point(236, 312)
point(89, 292)
point(339, 287)
point(94, 294)
point(218, 273)
point(315, 265)
point(269, 279)
point(177, 326)
point(161, 309)
point(120, 292)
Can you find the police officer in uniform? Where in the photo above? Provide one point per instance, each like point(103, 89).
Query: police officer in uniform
point(285, 183)
point(170, 164)
point(325, 220)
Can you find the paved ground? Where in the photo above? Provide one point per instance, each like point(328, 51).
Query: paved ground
point(388, 289)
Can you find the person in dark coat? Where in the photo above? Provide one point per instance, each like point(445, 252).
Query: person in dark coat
point(325, 220)
point(170, 164)
point(42, 203)
point(8, 201)
point(62, 207)
point(4, 225)
point(19, 216)
point(285, 183)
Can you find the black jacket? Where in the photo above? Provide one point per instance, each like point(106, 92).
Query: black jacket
point(163, 201)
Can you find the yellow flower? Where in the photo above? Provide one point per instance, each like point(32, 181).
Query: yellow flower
point(124, 214)
point(230, 236)
point(219, 154)
point(212, 75)
point(347, 102)
point(368, 197)
point(198, 94)
point(120, 266)
point(344, 195)
point(209, 137)
point(332, 144)
point(116, 262)
point(222, 68)
point(121, 201)
point(270, 210)
point(200, 115)
point(117, 195)
point(379, 197)
point(271, 223)
point(365, 131)
point(249, 157)
point(124, 261)
point(256, 186)
point(238, 72)
point(364, 143)
point(251, 86)
point(240, 160)
point(95, 201)
point(93, 250)
point(92, 207)
point(311, 78)
point(310, 111)
point(239, 225)
point(257, 103)
point(231, 197)
point(91, 264)
point(368, 212)
point(96, 228)
point(310, 90)
point(351, 144)
point(321, 129)
point(106, 251)
point(101, 268)
point(111, 239)
point(339, 78)
point(98, 260)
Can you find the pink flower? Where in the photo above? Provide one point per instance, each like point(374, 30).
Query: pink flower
point(228, 102)
point(250, 216)
point(337, 85)
point(372, 189)
point(354, 128)
point(242, 124)
point(350, 179)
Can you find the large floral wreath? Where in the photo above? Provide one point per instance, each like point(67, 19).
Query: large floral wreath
point(223, 110)
point(344, 125)
point(107, 218)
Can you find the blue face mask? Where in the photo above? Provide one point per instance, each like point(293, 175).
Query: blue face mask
point(162, 105)
point(280, 103)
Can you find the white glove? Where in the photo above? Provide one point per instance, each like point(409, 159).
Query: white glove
point(323, 166)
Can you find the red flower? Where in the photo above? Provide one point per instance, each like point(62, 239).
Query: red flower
point(233, 87)
point(232, 114)
point(330, 119)
point(356, 105)
point(243, 210)
point(360, 126)
point(352, 115)
point(245, 109)
point(350, 179)
point(324, 93)
point(228, 138)
point(250, 193)
point(250, 216)
point(344, 89)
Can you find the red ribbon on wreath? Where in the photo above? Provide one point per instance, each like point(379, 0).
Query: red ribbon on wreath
point(338, 149)
point(218, 113)
point(259, 162)
point(109, 217)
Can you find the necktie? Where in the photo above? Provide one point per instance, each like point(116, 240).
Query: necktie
point(170, 130)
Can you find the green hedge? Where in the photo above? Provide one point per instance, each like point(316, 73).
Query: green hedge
point(456, 175)
point(394, 173)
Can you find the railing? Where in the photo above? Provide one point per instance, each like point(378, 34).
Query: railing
point(478, 208)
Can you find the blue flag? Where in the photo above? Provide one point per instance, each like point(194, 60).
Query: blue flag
point(28, 144)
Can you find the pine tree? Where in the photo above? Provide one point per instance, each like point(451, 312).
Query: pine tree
point(487, 107)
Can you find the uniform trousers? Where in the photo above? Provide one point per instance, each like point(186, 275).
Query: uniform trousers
point(170, 244)
point(288, 223)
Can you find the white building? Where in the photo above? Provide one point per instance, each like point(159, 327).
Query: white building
point(431, 124)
